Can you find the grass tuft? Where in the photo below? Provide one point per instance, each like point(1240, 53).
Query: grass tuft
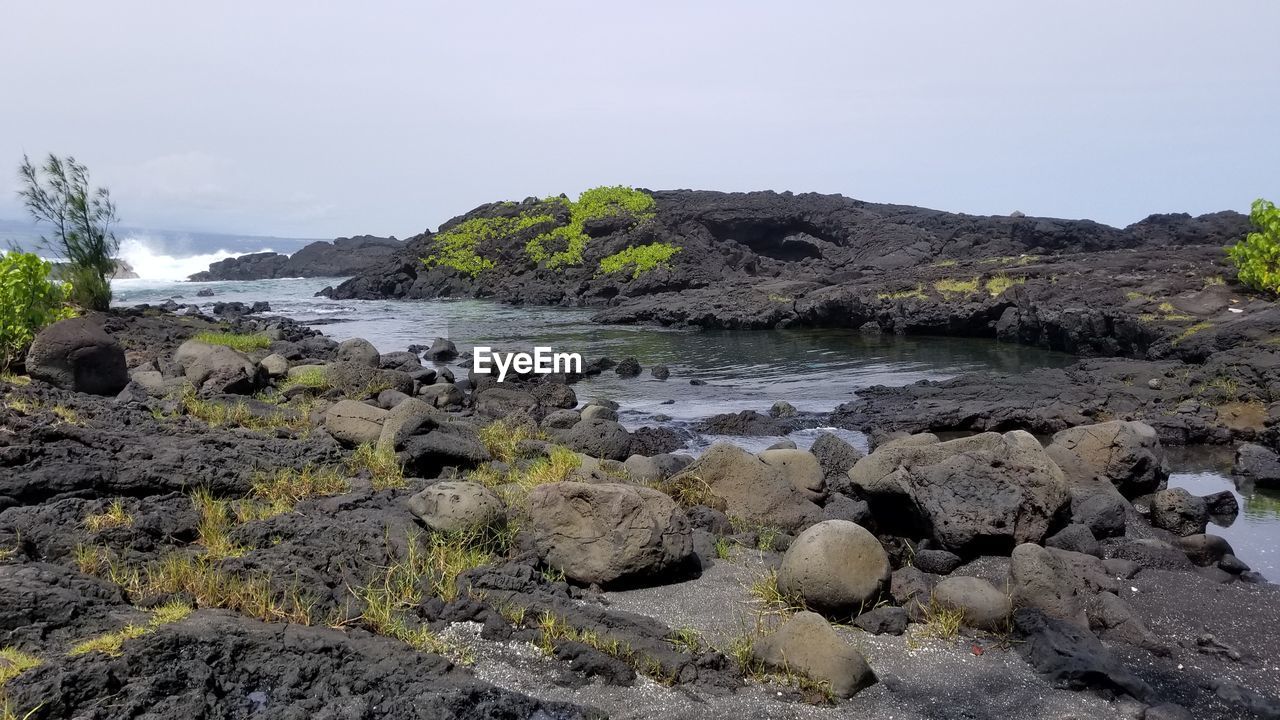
point(954, 288)
point(66, 414)
point(1182, 336)
point(916, 292)
point(771, 598)
point(502, 438)
point(113, 643)
point(14, 662)
point(514, 484)
point(115, 516)
point(688, 490)
point(997, 285)
point(279, 492)
point(237, 414)
point(313, 378)
point(244, 342)
point(384, 468)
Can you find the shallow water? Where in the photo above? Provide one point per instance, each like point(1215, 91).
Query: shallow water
point(814, 370)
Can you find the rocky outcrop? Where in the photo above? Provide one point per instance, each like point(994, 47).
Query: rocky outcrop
point(343, 257)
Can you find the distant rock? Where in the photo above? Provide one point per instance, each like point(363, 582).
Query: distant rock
point(343, 257)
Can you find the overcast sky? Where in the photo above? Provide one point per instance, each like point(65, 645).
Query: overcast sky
point(317, 119)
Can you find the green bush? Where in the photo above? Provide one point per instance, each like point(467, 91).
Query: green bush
point(1257, 257)
point(639, 258)
point(598, 203)
point(29, 300)
point(456, 247)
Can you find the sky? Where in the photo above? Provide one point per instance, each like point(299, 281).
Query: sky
point(319, 119)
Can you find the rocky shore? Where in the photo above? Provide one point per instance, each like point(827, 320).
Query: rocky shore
point(245, 518)
point(341, 258)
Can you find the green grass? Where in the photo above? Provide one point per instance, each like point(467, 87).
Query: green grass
point(244, 342)
point(1198, 327)
point(916, 292)
point(14, 662)
point(237, 414)
point(314, 378)
point(639, 259)
point(770, 598)
point(955, 288)
point(113, 517)
point(112, 643)
point(564, 246)
point(502, 439)
point(997, 285)
point(514, 484)
point(384, 468)
point(279, 492)
point(688, 490)
point(12, 379)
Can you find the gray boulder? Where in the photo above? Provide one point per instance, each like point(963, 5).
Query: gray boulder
point(798, 467)
point(404, 420)
point(602, 439)
point(1179, 512)
point(598, 412)
point(1125, 454)
point(442, 395)
point(561, 419)
point(1258, 464)
point(983, 606)
point(78, 355)
point(555, 395)
point(806, 643)
point(1057, 582)
point(358, 350)
point(750, 489)
point(216, 368)
point(499, 402)
point(1103, 510)
point(457, 507)
point(604, 532)
point(359, 381)
point(449, 444)
point(1077, 538)
point(836, 457)
point(442, 350)
point(835, 566)
point(354, 422)
point(274, 365)
point(970, 493)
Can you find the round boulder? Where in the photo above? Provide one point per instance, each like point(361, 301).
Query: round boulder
point(598, 533)
point(807, 644)
point(798, 467)
point(1179, 512)
point(354, 422)
point(835, 566)
point(78, 355)
point(598, 438)
point(457, 507)
point(216, 368)
point(984, 607)
point(358, 350)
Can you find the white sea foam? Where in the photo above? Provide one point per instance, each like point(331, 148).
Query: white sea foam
point(139, 252)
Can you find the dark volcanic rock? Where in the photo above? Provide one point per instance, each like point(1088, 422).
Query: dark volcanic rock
point(77, 354)
point(343, 257)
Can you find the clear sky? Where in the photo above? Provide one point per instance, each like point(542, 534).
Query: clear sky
point(306, 118)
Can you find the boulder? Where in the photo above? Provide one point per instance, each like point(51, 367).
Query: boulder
point(561, 419)
point(910, 586)
point(782, 409)
point(1223, 507)
point(604, 532)
point(442, 395)
point(970, 495)
point(835, 567)
point(499, 402)
point(1179, 512)
point(751, 489)
point(1152, 554)
point(404, 420)
point(807, 644)
point(78, 355)
point(358, 350)
point(354, 422)
point(457, 507)
point(555, 395)
point(274, 365)
point(937, 562)
point(836, 457)
point(216, 369)
point(984, 607)
point(1116, 622)
point(1205, 550)
point(884, 620)
point(1126, 454)
point(1077, 538)
point(389, 399)
point(403, 361)
point(449, 444)
point(1103, 510)
point(598, 412)
point(603, 439)
point(661, 372)
point(629, 367)
point(1057, 582)
point(1258, 464)
point(358, 381)
point(798, 467)
point(442, 350)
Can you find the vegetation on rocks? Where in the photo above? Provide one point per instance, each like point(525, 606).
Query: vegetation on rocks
point(29, 300)
point(244, 342)
point(639, 259)
point(1257, 256)
point(111, 643)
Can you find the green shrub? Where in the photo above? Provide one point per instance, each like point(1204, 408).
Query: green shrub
point(1257, 257)
point(639, 258)
point(236, 341)
point(456, 247)
point(29, 300)
point(570, 241)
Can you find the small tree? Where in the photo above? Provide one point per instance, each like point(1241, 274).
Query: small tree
point(1257, 257)
point(28, 302)
point(58, 193)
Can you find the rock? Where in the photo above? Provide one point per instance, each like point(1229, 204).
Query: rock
point(1116, 622)
point(389, 399)
point(500, 402)
point(151, 381)
point(358, 380)
point(747, 423)
point(782, 409)
point(442, 350)
point(1179, 512)
point(407, 418)
point(274, 365)
point(1077, 538)
point(629, 367)
point(216, 368)
point(1103, 512)
point(1125, 454)
point(783, 445)
point(598, 412)
point(984, 607)
point(1167, 711)
point(1121, 568)
point(561, 419)
point(909, 586)
point(1039, 579)
point(442, 395)
point(343, 257)
point(884, 620)
point(807, 644)
point(403, 361)
point(457, 507)
point(555, 395)
point(1258, 464)
point(843, 507)
point(936, 562)
point(836, 457)
point(606, 532)
point(1153, 554)
point(204, 292)
point(598, 438)
point(836, 567)
point(358, 350)
point(1071, 656)
point(750, 489)
point(661, 372)
point(1205, 550)
point(446, 445)
point(1223, 507)
point(354, 422)
point(1232, 564)
point(970, 495)
point(605, 403)
point(78, 355)
point(798, 467)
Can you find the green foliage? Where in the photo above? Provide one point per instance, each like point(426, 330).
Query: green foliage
point(639, 258)
point(456, 247)
point(236, 341)
point(598, 203)
point(29, 300)
point(1257, 257)
point(58, 193)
